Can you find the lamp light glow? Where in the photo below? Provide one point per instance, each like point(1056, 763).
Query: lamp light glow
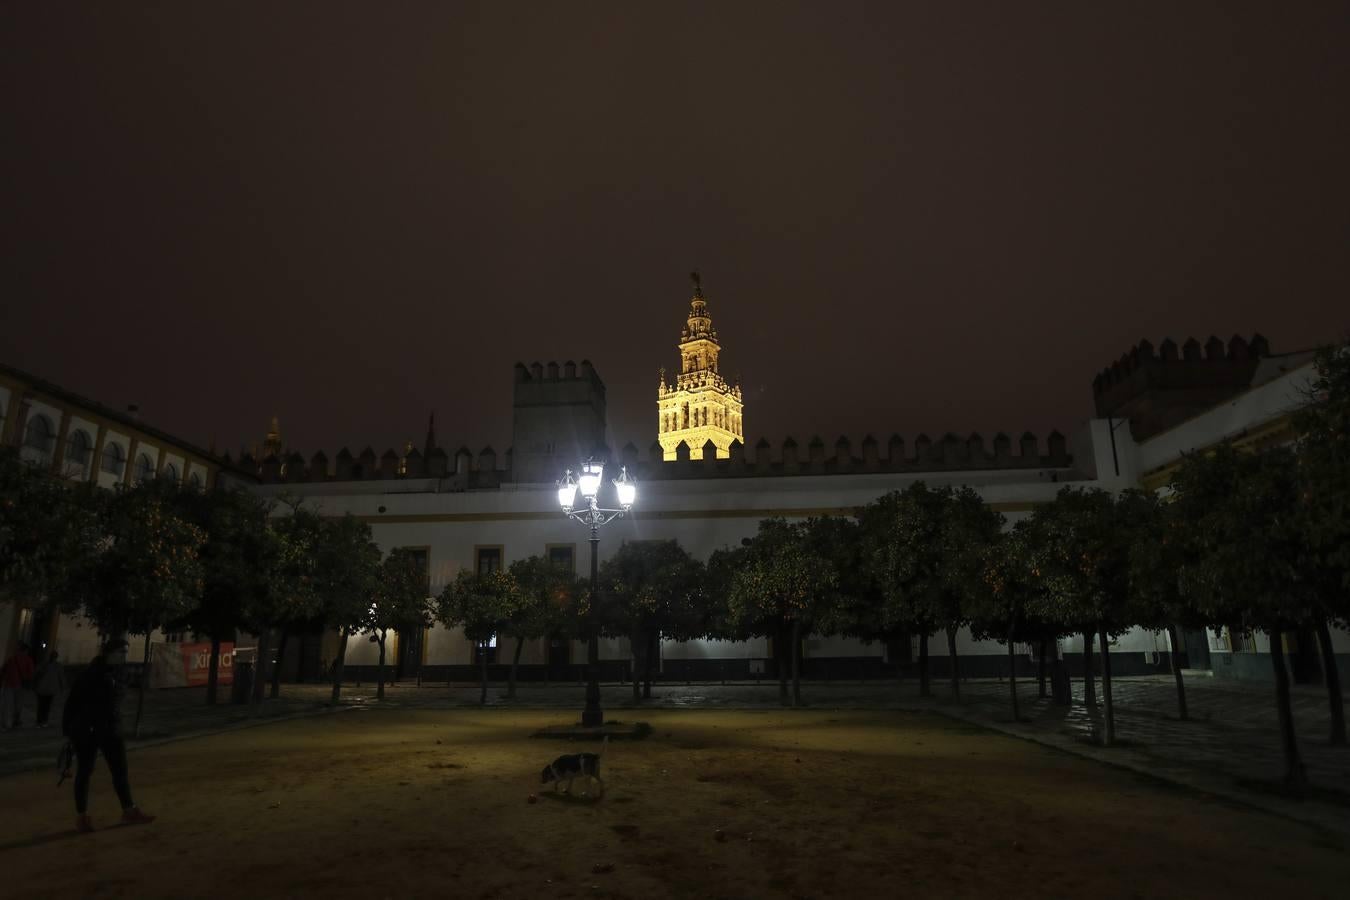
point(627, 489)
point(591, 473)
point(567, 491)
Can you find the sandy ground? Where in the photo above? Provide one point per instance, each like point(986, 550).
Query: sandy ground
point(375, 804)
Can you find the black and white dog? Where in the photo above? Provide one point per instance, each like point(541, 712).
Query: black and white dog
point(573, 766)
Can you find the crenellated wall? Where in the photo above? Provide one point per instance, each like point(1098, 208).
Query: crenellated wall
point(1158, 389)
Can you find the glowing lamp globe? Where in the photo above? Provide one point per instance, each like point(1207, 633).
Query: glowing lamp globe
point(567, 494)
point(591, 473)
point(627, 490)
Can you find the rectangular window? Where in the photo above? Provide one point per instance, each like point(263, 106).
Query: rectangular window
point(563, 555)
point(423, 557)
point(487, 560)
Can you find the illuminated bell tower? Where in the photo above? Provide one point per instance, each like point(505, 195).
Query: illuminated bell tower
point(700, 406)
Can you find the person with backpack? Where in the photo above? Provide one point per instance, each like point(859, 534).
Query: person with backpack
point(92, 721)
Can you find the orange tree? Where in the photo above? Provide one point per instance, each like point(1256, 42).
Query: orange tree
point(1323, 425)
point(233, 560)
point(48, 530)
point(1002, 609)
point(1087, 535)
point(547, 591)
point(1157, 551)
point(347, 570)
point(902, 542)
point(1244, 549)
point(399, 602)
point(783, 587)
point(483, 605)
point(966, 530)
point(650, 588)
point(288, 590)
point(145, 571)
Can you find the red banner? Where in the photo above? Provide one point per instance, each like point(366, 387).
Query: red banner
point(197, 663)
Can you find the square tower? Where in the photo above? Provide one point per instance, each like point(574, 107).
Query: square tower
point(558, 420)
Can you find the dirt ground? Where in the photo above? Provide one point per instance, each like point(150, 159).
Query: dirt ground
point(376, 804)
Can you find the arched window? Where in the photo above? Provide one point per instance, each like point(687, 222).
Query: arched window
point(145, 469)
point(39, 439)
point(78, 448)
point(114, 459)
point(195, 481)
point(170, 472)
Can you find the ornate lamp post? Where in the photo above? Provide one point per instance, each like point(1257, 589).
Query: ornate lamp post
point(590, 513)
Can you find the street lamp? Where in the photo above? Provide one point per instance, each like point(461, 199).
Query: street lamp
point(587, 483)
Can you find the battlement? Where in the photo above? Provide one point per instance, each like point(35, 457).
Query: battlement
point(1156, 390)
point(551, 371)
point(950, 454)
point(459, 471)
point(464, 470)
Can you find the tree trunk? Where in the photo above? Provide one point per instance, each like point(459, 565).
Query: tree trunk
point(213, 671)
point(343, 634)
point(796, 662)
point(955, 662)
point(1294, 775)
point(924, 690)
point(635, 641)
point(1089, 696)
point(1176, 671)
point(1109, 727)
point(1040, 669)
point(482, 679)
point(281, 659)
point(780, 650)
point(145, 675)
point(515, 661)
point(1012, 675)
point(1333, 678)
point(379, 689)
point(260, 669)
point(653, 647)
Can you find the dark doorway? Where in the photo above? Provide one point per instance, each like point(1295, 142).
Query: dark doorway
point(409, 662)
point(1195, 646)
point(559, 658)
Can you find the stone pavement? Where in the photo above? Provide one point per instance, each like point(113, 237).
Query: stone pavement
point(1229, 747)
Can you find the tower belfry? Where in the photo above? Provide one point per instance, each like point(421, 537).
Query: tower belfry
point(700, 405)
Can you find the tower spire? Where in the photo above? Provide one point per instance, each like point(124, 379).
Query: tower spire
point(699, 405)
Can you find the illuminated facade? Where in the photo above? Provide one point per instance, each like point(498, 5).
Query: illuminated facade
point(701, 405)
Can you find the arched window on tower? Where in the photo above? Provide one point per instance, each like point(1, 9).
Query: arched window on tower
point(170, 473)
point(684, 416)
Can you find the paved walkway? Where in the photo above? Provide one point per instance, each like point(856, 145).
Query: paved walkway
point(1229, 747)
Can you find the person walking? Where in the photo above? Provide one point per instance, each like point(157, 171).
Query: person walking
point(49, 684)
point(15, 675)
point(93, 722)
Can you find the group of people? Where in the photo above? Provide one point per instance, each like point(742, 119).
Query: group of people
point(18, 676)
point(91, 719)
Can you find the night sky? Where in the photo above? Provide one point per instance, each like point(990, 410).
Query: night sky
point(909, 217)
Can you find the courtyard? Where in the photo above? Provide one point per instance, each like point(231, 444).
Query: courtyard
point(405, 802)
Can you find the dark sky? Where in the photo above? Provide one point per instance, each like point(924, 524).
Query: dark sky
point(909, 217)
